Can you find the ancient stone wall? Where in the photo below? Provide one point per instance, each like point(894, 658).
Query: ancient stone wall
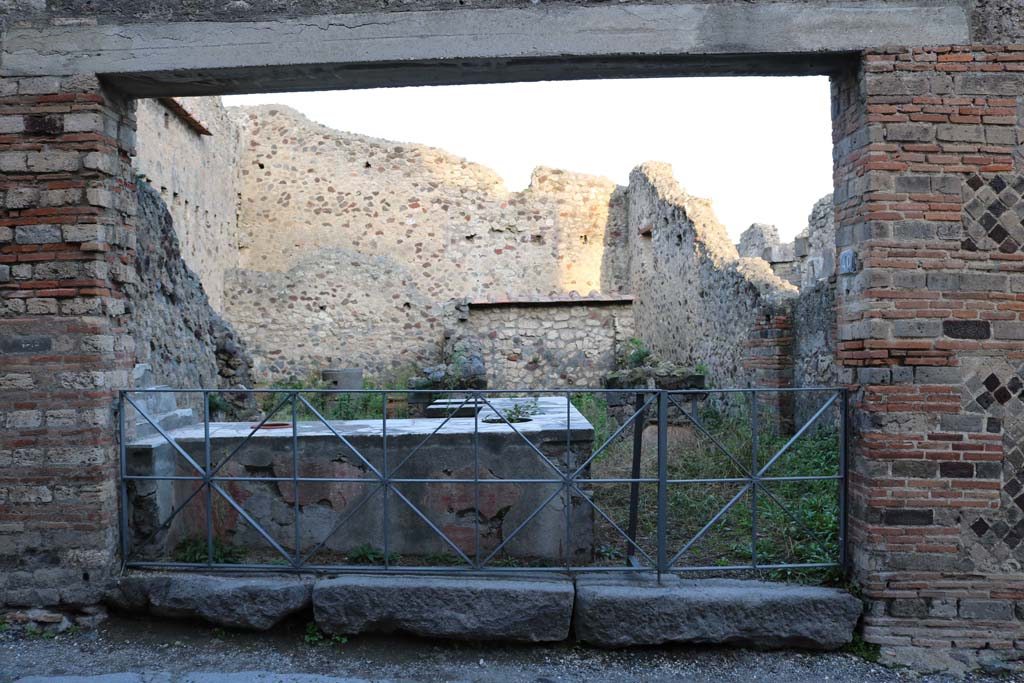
point(547, 343)
point(183, 340)
point(369, 238)
point(696, 299)
point(197, 176)
point(808, 258)
point(815, 246)
point(814, 347)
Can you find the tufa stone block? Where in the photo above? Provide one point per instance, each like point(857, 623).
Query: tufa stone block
point(966, 329)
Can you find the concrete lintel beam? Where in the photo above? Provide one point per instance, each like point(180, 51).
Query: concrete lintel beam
point(256, 56)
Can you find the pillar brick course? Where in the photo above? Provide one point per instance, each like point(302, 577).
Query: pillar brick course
point(65, 249)
point(925, 148)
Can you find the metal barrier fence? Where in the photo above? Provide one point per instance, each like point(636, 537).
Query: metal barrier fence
point(575, 481)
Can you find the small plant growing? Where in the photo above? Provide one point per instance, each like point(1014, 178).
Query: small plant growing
point(609, 552)
point(700, 369)
point(858, 647)
point(442, 560)
point(520, 412)
point(194, 551)
point(218, 405)
point(34, 631)
point(637, 353)
point(314, 636)
point(367, 554)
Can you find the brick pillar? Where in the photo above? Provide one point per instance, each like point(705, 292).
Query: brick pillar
point(66, 243)
point(769, 360)
point(930, 303)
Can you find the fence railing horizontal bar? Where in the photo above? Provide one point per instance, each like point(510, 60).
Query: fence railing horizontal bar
point(442, 569)
point(748, 567)
point(755, 390)
point(394, 569)
point(449, 392)
point(487, 392)
point(587, 480)
point(351, 480)
point(564, 484)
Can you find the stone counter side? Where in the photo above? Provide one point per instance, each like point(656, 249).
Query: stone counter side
point(449, 453)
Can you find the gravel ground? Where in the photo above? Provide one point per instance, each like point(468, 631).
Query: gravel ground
point(182, 648)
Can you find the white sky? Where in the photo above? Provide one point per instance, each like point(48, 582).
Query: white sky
point(760, 148)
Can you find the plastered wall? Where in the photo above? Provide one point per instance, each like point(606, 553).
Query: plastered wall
point(197, 177)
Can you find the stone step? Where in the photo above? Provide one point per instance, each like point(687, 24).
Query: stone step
point(621, 612)
point(607, 611)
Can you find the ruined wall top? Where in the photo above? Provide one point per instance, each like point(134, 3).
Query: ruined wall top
point(709, 236)
point(758, 237)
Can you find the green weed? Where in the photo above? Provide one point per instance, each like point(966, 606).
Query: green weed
point(314, 636)
point(858, 647)
point(367, 554)
point(637, 353)
point(194, 551)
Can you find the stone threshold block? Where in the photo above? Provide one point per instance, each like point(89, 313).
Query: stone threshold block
point(618, 612)
point(252, 603)
point(469, 608)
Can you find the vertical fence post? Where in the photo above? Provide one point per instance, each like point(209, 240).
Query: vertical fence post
point(123, 454)
point(639, 419)
point(476, 478)
point(296, 511)
point(569, 464)
point(843, 437)
point(387, 475)
point(662, 482)
point(754, 482)
point(208, 475)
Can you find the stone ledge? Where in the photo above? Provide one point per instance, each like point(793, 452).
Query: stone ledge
point(625, 612)
point(520, 609)
point(606, 611)
point(254, 603)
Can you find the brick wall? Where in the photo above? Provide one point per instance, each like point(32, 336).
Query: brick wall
point(768, 360)
point(66, 243)
point(927, 145)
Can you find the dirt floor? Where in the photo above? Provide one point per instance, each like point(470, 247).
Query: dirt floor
point(183, 648)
